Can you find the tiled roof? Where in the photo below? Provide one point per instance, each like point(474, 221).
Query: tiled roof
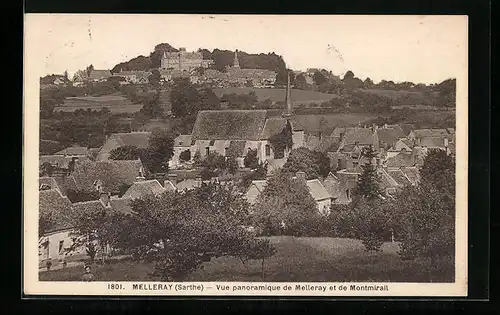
point(73, 151)
point(237, 148)
point(386, 180)
point(274, 165)
point(88, 206)
point(407, 128)
point(412, 174)
point(275, 125)
point(389, 135)
point(229, 125)
point(182, 141)
point(112, 173)
point(400, 160)
point(433, 142)
point(143, 188)
point(136, 139)
point(121, 205)
point(188, 184)
point(422, 133)
point(66, 183)
point(55, 160)
point(235, 73)
point(317, 190)
point(99, 74)
point(399, 177)
point(58, 206)
point(259, 184)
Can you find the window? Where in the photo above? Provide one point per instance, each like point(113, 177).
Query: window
point(61, 246)
point(212, 142)
point(354, 164)
point(226, 151)
point(348, 193)
point(207, 150)
point(268, 150)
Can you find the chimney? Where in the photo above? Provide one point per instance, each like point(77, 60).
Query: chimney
point(104, 197)
point(301, 176)
point(140, 177)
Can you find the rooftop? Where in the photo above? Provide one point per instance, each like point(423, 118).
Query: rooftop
point(229, 125)
point(146, 187)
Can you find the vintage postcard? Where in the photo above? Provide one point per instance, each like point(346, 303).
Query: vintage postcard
point(248, 155)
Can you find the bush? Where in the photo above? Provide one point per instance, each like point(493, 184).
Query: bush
point(185, 155)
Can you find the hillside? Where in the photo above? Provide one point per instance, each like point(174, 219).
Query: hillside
point(221, 58)
point(278, 95)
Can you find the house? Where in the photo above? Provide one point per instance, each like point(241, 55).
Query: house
point(218, 130)
point(116, 140)
point(142, 188)
point(321, 195)
point(135, 77)
point(181, 144)
point(348, 180)
point(254, 190)
point(388, 135)
point(107, 176)
point(99, 75)
point(318, 192)
point(348, 137)
point(56, 237)
point(402, 159)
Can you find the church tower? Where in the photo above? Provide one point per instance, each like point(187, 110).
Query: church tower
point(288, 98)
point(163, 62)
point(236, 63)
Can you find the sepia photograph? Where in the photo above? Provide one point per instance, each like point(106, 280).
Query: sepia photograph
point(245, 154)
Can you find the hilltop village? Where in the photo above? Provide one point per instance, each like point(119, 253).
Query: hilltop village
point(184, 137)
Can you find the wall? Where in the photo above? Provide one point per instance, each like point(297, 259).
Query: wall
point(53, 246)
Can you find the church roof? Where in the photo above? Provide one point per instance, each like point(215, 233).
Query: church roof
point(229, 125)
point(274, 125)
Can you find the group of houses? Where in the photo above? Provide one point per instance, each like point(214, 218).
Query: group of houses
point(400, 150)
point(181, 64)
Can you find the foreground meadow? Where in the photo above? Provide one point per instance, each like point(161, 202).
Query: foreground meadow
point(297, 259)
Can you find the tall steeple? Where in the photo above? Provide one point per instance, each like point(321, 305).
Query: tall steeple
point(288, 98)
point(236, 63)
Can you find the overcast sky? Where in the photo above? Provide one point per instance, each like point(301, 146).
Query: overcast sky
point(426, 49)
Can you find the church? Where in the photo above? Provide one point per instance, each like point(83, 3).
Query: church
point(183, 60)
point(235, 132)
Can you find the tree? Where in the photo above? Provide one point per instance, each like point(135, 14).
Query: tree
point(286, 205)
point(349, 75)
point(251, 159)
point(300, 82)
point(424, 216)
point(315, 164)
point(152, 107)
point(185, 155)
point(89, 70)
point(319, 78)
point(368, 185)
point(368, 83)
point(179, 232)
point(160, 150)
point(96, 230)
point(155, 78)
point(282, 141)
point(371, 222)
point(128, 152)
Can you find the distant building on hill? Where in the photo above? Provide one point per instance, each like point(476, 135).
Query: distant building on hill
point(183, 60)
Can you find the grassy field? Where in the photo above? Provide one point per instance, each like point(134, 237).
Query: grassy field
point(394, 94)
point(116, 103)
point(298, 96)
point(297, 259)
